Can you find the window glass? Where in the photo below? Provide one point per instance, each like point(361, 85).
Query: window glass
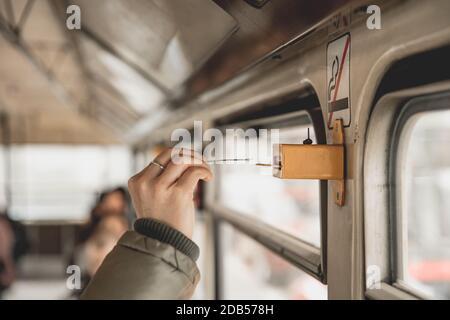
point(59, 182)
point(290, 205)
point(424, 168)
point(250, 271)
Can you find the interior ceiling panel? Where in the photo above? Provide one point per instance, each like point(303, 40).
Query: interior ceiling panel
point(49, 44)
point(21, 88)
point(141, 95)
point(14, 11)
point(108, 100)
point(69, 73)
point(261, 30)
point(36, 114)
point(42, 26)
point(166, 39)
point(61, 128)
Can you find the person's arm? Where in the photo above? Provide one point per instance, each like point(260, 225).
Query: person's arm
point(157, 260)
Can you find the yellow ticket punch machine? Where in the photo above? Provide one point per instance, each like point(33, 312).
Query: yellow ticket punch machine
point(319, 161)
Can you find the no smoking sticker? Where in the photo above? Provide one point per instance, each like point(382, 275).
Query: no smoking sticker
point(338, 80)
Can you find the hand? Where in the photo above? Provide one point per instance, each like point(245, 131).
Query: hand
point(167, 194)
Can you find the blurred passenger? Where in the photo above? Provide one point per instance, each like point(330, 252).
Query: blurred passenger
point(107, 223)
point(108, 232)
point(13, 245)
point(110, 203)
point(114, 202)
point(91, 254)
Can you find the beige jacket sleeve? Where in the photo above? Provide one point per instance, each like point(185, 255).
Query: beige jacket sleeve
point(140, 267)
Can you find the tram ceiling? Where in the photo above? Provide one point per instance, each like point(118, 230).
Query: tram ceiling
point(139, 52)
point(165, 40)
point(42, 88)
point(261, 31)
point(35, 114)
point(134, 59)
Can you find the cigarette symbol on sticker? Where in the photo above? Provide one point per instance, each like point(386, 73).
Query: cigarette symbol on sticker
point(338, 76)
point(334, 73)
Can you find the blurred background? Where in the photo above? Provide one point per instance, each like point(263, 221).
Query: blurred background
point(79, 113)
point(73, 102)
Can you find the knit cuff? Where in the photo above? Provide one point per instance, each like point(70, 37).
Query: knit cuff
point(164, 233)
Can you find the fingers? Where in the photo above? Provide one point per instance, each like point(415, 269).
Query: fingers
point(166, 157)
point(189, 179)
point(175, 170)
point(175, 161)
point(167, 194)
point(142, 179)
point(152, 171)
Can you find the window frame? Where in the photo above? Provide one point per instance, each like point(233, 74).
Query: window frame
point(236, 229)
point(404, 125)
point(388, 120)
point(298, 252)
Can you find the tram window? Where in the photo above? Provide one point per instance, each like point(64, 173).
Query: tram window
point(289, 205)
point(250, 271)
point(423, 168)
point(58, 182)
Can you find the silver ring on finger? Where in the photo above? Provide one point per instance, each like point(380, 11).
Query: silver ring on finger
point(159, 165)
